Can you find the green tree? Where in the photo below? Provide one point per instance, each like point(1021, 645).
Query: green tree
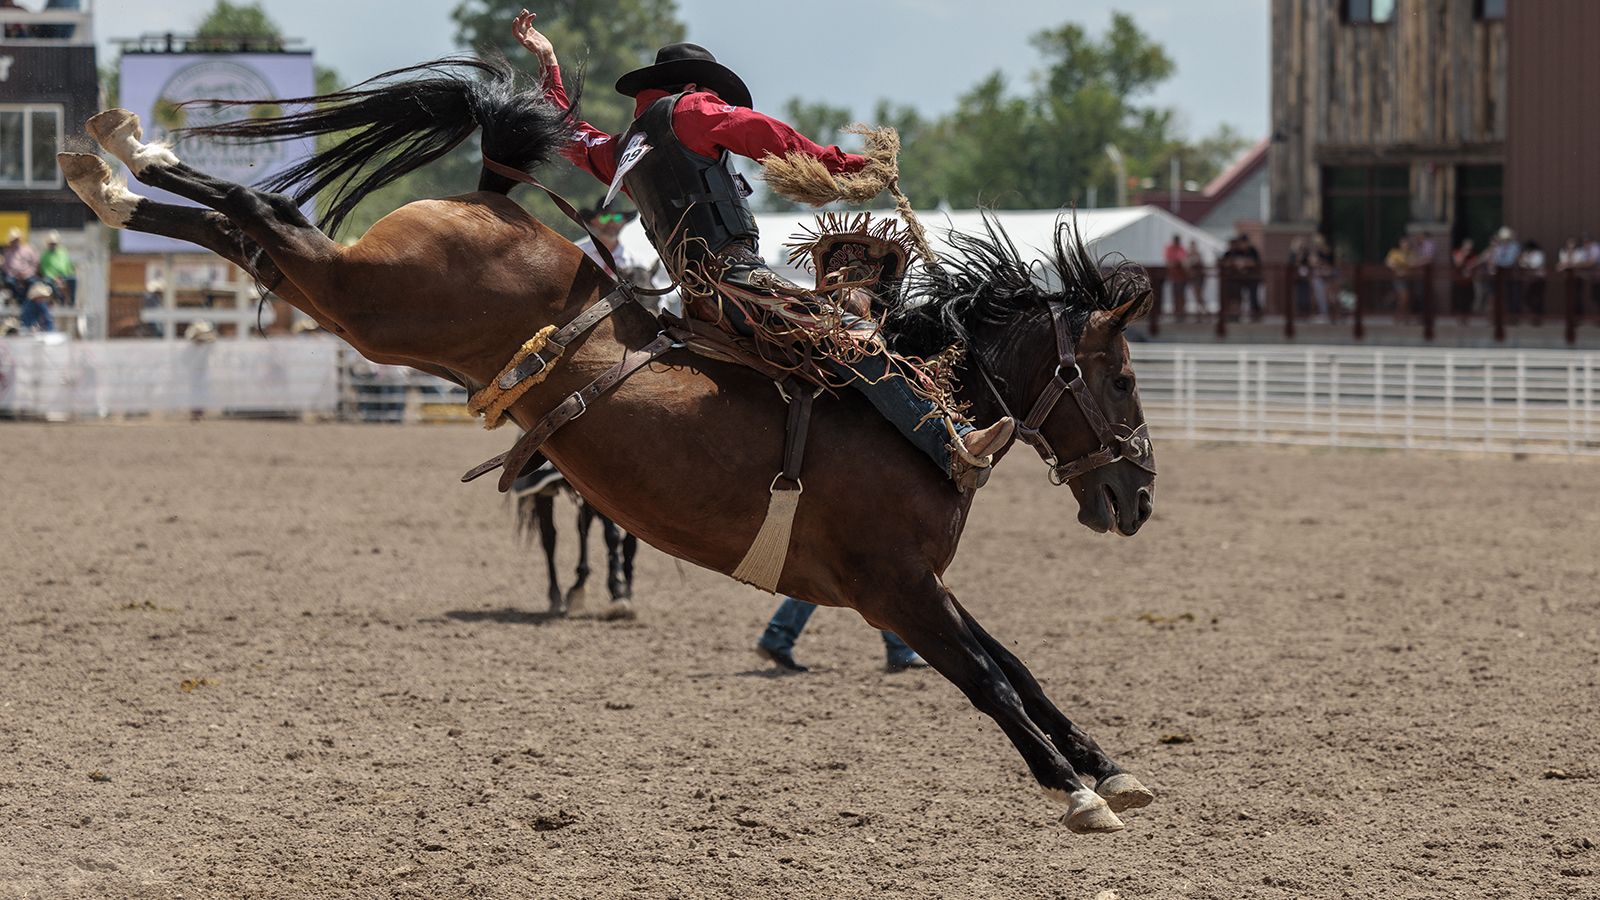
point(229, 21)
point(1045, 149)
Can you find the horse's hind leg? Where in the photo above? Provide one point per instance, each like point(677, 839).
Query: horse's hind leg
point(935, 626)
point(272, 220)
point(580, 588)
point(544, 511)
point(93, 181)
point(1121, 790)
point(619, 569)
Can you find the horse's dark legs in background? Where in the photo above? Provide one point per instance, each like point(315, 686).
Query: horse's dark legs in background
point(544, 508)
point(579, 590)
point(1120, 789)
point(620, 548)
point(935, 625)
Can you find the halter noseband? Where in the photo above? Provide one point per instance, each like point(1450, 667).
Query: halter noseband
point(1117, 442)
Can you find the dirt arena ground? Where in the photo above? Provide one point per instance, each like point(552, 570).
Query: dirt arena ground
point(270, 660)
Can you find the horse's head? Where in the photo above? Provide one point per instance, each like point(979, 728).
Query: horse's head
point(1112, 460)
point(1047, 345)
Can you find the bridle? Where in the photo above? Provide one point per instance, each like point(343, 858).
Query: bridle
point(1117, 442)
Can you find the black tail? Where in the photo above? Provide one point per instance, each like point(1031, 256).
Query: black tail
point(398, 122)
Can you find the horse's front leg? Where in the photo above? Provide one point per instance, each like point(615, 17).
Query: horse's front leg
point(936, 626)
point(1121, 790)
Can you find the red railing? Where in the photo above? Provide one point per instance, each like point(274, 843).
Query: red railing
point(1359, 296)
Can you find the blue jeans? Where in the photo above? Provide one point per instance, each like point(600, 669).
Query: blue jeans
point(790, 619)
point(890, 394)
point(35, 314)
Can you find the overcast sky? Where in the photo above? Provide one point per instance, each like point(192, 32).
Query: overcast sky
point(922, 53)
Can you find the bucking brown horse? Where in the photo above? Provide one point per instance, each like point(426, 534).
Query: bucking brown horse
point(682, 454)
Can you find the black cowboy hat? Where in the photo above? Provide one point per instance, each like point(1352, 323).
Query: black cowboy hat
point(686, 64)
point(588, 212)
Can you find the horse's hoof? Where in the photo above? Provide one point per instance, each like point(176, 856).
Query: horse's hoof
point(86, 169)
point(1124, 792)
point(1087, 812)
point(92, 180)
point(575, 598)
point(619, 609)
point(114, 125)
point(118, 131)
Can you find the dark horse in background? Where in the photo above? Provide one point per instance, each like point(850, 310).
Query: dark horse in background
point(683, 453)
point(533, 499)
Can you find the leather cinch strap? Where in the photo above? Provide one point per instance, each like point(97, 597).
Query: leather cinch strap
point(575, 405)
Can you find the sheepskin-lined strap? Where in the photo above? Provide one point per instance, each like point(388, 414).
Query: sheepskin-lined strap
point(493, 400)
point(532, 363)
point(575, 405)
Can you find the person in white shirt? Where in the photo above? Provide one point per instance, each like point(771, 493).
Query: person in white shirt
point(607, 225)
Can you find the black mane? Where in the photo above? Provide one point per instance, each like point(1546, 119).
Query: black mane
point(988, 283)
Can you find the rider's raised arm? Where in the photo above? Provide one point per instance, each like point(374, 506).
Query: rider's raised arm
point(590, 149)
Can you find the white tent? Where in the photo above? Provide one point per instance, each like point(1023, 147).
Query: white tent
point(1138, 233)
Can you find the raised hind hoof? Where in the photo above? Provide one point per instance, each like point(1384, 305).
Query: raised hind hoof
point(1124, 792)
point(1087, 812)
point(93, 181)
point(618, 610)
point(118, 131)
point(86, 169)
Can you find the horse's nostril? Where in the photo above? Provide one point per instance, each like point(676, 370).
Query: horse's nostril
point(1146, 504)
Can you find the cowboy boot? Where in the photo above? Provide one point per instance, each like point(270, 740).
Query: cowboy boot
point(974, 452)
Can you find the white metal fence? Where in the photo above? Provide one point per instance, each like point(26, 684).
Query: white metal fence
point(51, 377)
point(1519, 401)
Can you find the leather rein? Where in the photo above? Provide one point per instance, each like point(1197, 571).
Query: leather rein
point(1117, 442)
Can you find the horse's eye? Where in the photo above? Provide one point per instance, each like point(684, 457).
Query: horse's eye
point(1122, 383)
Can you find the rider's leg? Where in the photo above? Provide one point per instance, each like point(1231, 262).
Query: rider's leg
point(958, 449)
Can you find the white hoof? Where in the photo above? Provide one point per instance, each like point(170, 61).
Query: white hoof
point(118, 131)
point(91, 179)
point(1087, 812)
point(1124, 792)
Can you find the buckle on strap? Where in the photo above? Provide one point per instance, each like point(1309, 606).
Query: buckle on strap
point(525, 369)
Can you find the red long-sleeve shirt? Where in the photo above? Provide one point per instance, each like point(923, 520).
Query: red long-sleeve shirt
point(705, 124)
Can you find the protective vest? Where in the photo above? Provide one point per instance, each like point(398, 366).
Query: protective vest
point(680, 194)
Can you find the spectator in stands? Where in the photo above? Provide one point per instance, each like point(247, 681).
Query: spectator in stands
point(55, 268)
point(1242, 268)
point(1195, 265)
point(1591, 267)
point(19, 268)
point(1300, 274)
point(1532, 266)
point(1323, 272)
point(36, 309)
point(1463, 264)
point(1399, 262)
point(1176, 260)
point(1572, 258)
point(1503, 254)
point(14, 30)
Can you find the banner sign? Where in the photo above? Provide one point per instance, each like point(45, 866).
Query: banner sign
point(157, 85)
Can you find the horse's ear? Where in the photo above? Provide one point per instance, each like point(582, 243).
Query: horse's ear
point(1132, 311)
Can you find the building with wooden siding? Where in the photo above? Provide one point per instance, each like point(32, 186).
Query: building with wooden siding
point(1390, 116)
point(1447, 117)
